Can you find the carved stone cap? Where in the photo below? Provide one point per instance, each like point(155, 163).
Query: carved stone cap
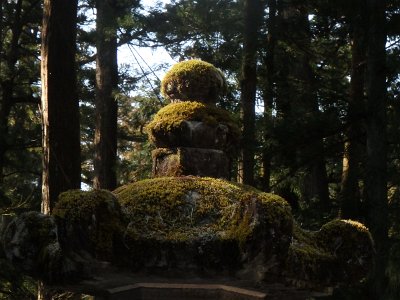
point(193, 80)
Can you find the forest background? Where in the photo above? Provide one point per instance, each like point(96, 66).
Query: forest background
point(314, 86)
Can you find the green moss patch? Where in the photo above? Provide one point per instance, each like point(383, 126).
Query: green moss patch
point(184, 208)
point(171, 117)
point(341, 251)
point(199, 222)
point(352, 244)
point(307, 261)
point(193, 80)
point(89, 220)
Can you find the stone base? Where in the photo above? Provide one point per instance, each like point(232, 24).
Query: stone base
point(190, 161)
point(179, 291)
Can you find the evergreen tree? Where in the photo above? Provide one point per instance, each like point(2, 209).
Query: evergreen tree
point(252, 15)
point(60, 106)
point(106, 88)
point(376, 122)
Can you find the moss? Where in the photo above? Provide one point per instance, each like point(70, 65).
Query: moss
point(184, 208)
point(340, 251)
point(198, 221)
point(171, 117)
point(351, 244)
point(42, 227)
point(193, 80)
point(306, 260)
point(174, 166)
point(159, 152)
point(350, 234)
point(89, 219)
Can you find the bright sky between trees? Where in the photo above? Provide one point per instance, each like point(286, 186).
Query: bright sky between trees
point(144, 57)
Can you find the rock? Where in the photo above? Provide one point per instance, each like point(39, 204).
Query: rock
point(340, 252)
point(307, 263)
point(193, 80)
point(88, 221)
point(204, 225)
point(30, 242)
point(194, 124)
point(352, 246)
point(187, 161)
point(194, 134)
point(66, 247)
point(185, 225)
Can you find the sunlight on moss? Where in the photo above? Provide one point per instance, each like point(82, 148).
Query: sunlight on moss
point(193, 80)
point(96, 213)
point(171, 117)
point(190, 207)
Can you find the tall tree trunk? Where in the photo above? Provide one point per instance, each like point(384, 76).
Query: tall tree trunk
point(3, 115)
point(60, 106)
point(253, 10)
point(354, 135)
point(268, 94)
point(376, 168)
point(106, 104)
point(298, 97)
point(316, 179)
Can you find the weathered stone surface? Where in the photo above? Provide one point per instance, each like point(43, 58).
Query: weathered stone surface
point(185, 225)
point(63, 247)
point(340, 252)
point(30, 243)
point(88, 221)
point(194, 134)
point(193, 80)
point(190, 161)
point(194, 124)
point(170, 291)
point(201, 138)
point(204, 225)
point(352, 246)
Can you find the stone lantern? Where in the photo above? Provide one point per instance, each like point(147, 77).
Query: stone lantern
point(192, 135)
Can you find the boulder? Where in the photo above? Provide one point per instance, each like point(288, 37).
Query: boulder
point(204, 225)
point(89, 222)
point(30, 243)
point(340, 252)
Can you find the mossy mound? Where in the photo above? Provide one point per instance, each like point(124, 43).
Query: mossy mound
point(351, 243)
point(341, 251)
point(30, 244)
point(307, 262)
point(193, 80)
point(88, 220)
point(190, 214)
point(168, 126)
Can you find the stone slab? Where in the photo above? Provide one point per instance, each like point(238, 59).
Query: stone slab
point(182, 291)
point(190, 161)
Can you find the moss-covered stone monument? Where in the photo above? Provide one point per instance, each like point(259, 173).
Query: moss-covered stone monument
point(188, 219)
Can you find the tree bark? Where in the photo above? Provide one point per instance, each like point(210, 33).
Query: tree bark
point(252, 20)
point(355, 133)
point(106, 104)
point(298, 98)
point(60, 105)
point(376, 168)
point(268, 94)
